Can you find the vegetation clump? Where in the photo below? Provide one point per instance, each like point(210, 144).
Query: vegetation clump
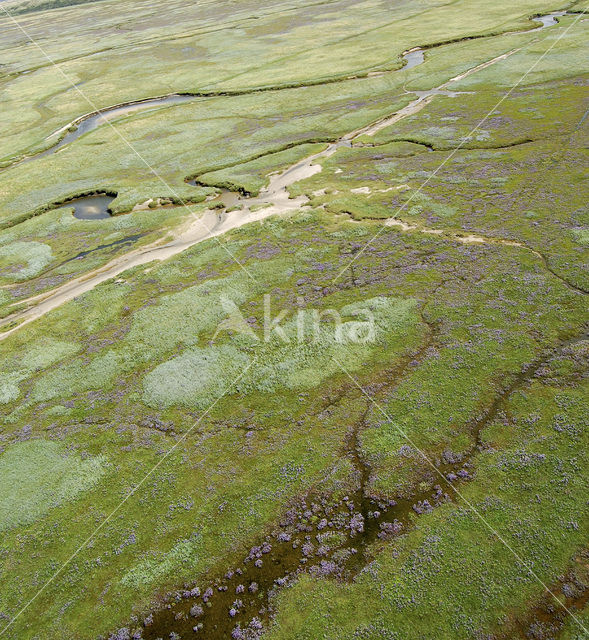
point(363, 377)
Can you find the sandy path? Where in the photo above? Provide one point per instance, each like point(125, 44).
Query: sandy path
point(274, 200)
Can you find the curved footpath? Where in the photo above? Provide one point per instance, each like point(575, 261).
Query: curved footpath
point(271, 201)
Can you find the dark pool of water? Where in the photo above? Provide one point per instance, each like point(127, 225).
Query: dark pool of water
point(91, 207)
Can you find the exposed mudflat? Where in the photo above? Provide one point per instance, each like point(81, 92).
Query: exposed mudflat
point(238, 210)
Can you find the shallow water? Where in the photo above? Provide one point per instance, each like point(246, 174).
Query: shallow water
point(549, 20)
point(414, 58)
point(91, 207)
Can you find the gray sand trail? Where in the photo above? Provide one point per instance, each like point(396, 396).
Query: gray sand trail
point(273, 200)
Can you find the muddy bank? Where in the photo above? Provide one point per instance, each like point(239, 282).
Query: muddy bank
point(547, 618)
point(94, 119)
point(546, 20)
point(90, 121)
point(227, 211)
point(97, 206)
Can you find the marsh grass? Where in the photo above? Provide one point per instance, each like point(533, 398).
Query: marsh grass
point(95, 393)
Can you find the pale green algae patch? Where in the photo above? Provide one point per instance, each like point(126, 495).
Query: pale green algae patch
point(581, 236)
point(32, 358)
point(299, 355)
point(37, 475)
point(23, 260)
point(9, 390)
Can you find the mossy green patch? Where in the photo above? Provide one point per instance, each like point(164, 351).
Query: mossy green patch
point(23, 260)
point(40, 475)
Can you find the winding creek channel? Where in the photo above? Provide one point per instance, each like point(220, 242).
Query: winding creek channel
point(94, 119)
point(316, 534)
point(223, 216)
point(213, 222)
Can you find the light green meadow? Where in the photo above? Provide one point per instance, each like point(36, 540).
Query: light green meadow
point(158, 426)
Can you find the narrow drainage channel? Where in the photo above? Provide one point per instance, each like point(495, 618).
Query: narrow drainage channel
point(88, 122)
point(547, 618)
point(316, 535)
point(127, 240)
point(94, 120)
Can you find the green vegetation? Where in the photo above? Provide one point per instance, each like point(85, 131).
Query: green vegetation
point(283, 382)
point(451, 576)
point(250, 177)
point(37, 476)
point(100, 396)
